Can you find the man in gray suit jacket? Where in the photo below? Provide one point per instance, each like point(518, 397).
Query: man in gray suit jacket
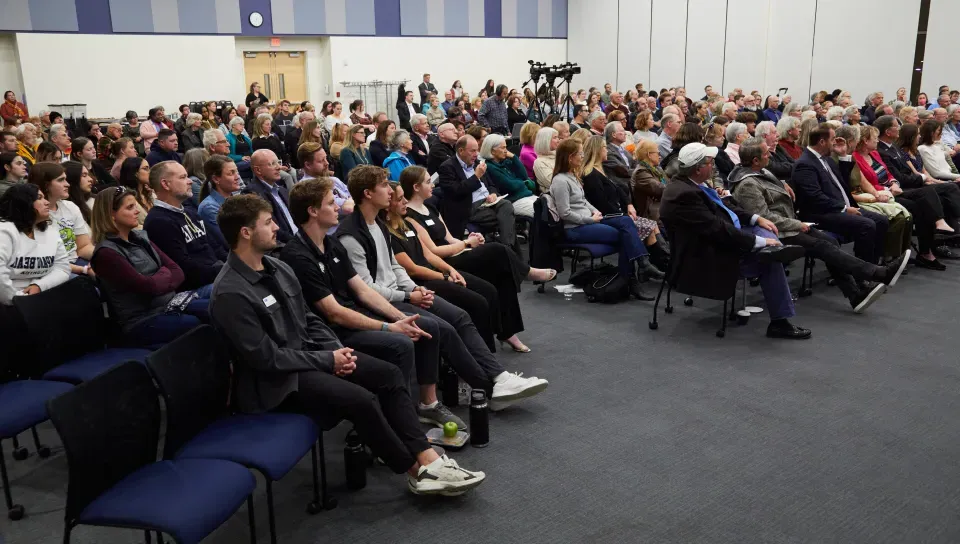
point(758, 191)
point(619, 165)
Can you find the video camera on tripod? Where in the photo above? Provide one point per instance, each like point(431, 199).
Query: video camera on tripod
point(548, 93)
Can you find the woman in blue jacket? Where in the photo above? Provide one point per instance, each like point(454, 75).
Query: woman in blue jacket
point(400, 145)
point(240, 145)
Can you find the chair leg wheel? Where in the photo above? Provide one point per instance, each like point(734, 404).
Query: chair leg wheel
point(721, 334)
point(20, 454)
point(541, 288)
point(805, 292)
point(44, 452)
point(668, 309)
point(15, 513)
point(330, 504)
point(654, 326)
point(314, 508)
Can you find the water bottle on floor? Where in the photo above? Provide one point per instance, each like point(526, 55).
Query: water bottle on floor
point(355, 461)
point(479, 419)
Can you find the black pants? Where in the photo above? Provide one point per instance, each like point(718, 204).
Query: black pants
point(949, 194)
point(375, 399)
point(505, 270)
point(843, 267)
point(867, 231)
point(389, 346)
point(926, 207)
point(478, 299)
point(499, 216)
point(457, 340)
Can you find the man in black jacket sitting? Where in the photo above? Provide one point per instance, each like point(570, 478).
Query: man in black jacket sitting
point(442, 148)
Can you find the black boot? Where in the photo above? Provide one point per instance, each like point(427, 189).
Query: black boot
point(647, 271)
point(659, 256)
point(636, 291)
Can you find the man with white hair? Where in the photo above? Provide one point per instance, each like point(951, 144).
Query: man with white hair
point(619, 165)
point(292, 138)
point(616, 103)
point(781, 164)
point(869, 112)
point(669, 126)
point(268, 185)
point(60, 138)
point(942, 102)
point(729, 110)
point(736, 133)
point(419, 137)
point(597, 121)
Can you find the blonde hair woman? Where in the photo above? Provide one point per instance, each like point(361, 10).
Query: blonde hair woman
point(338, 140)
point(545, 145)
point(581, 135)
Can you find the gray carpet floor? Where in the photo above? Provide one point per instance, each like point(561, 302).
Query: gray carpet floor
point(671, 435)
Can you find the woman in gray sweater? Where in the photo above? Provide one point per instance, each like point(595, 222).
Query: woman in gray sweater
point(583, 223)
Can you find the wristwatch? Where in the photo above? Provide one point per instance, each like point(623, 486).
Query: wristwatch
point(384, 326)
point(406, 297)
point(446, 276)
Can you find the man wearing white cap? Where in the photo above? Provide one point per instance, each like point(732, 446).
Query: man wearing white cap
point(714, 243)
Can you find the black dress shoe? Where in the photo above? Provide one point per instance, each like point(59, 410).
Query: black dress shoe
point(944, 252)
point(930, 264)
point(781, 254)
point(784, 329)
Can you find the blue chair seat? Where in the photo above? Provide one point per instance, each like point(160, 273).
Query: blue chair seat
point(90, 365)
point(185, 499)
point(271, 443)
point(594, 250)
point(24, 404)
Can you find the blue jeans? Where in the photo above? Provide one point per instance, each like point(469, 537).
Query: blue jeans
point(166, 327)
point(773, 281)
point(614, 231)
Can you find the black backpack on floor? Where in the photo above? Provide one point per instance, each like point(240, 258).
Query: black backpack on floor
point(607, 287)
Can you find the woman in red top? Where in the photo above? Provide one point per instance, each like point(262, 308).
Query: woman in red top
point(788, 129)
point(13, 112)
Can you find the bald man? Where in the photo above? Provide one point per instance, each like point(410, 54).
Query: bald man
point(267, 185)
point(442, 148)
point(178, 231)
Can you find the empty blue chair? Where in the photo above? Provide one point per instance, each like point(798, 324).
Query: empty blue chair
point(68, 334)
point(193, 374)
point(110, 428)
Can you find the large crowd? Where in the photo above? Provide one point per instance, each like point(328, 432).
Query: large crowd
point(344, 256)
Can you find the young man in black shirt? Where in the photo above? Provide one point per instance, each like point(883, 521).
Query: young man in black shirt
point(288, 359)
point(358, 315)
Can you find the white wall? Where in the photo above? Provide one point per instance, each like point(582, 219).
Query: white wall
point(705, 51)
point(126, 72)
point(878, 64)
point(746, 47)
point(939, 60)
point(633, 60)
point(9, 67)
point(317, 52)
point(592, 40)
point(471, 60)
point(789, 54)
point(668, 34)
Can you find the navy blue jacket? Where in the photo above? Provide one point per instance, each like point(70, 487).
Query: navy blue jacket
point(817, 193)
point(158, 155)
point(186, 243)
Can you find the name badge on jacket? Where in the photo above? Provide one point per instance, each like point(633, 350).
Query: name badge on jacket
point(429, 222)
point(269, 301)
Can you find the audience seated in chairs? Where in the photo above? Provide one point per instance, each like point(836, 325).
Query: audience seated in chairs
point(442, 147)
point(492, 262)
point(758, 191)
point(291, 139)
point(121, 149)
point(401, 146)
point(222, 182)
point(135, 176)
point(81, 188)
point(138, 280)
point(824, 199)
point(788, 131)
point(619, 163)
point(241, 148)
point(85, 152)
point(421, 139)
point(648, 180)
point(267, 184)
point(354, 151)
point(710, 234)
point(32, 255)
point(935, 158)
point(192, 135)
point(315, 166)
point(471, 197)
point(528, 153)
point(780, 163)
point(379, 147)
point(508, 175)
point(545, 147)
point(584, 224)
point(164, 148)
point(179, 232)
point(670, 124)
point(264, 137)
point(365, 238)
point(28, 138)
point(13, 167)
point(279, 365)
point(338, 138)
point(65, 215)
point(736, 133)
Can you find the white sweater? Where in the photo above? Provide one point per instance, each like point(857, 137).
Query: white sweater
point(41, 261)
point(935, 161)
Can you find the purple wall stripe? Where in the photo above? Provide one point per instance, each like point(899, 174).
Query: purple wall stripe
point(559, 19)
point(492, 18)
point(249, 6)
point(386, 17)
point(93, 17)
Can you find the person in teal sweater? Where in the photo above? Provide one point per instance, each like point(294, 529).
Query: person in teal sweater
point(509, 174)
point(400, 145)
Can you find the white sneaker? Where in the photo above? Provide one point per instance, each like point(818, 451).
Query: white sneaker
point(444, 477)
point(513, 387)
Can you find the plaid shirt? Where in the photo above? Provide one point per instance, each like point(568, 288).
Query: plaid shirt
point(493, 115)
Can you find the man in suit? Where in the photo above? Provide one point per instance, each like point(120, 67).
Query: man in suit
point(714, 242)
point(470, 198)
point(267, 185)
point(420, 137)
point(759, 191)
point(286, 358)
point(824, 199)
point(406, 110)
point(620, 164)
point(426, 87)
point(292, 138)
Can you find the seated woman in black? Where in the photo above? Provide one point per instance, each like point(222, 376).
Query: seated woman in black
point(378, 147)
point(475, 296)
point(611, 200)
point(495, 263)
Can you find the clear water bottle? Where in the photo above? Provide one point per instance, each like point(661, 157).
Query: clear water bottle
point(355, 461)
point(479, 419)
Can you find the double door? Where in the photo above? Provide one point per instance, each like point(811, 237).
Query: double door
point(281, 74)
